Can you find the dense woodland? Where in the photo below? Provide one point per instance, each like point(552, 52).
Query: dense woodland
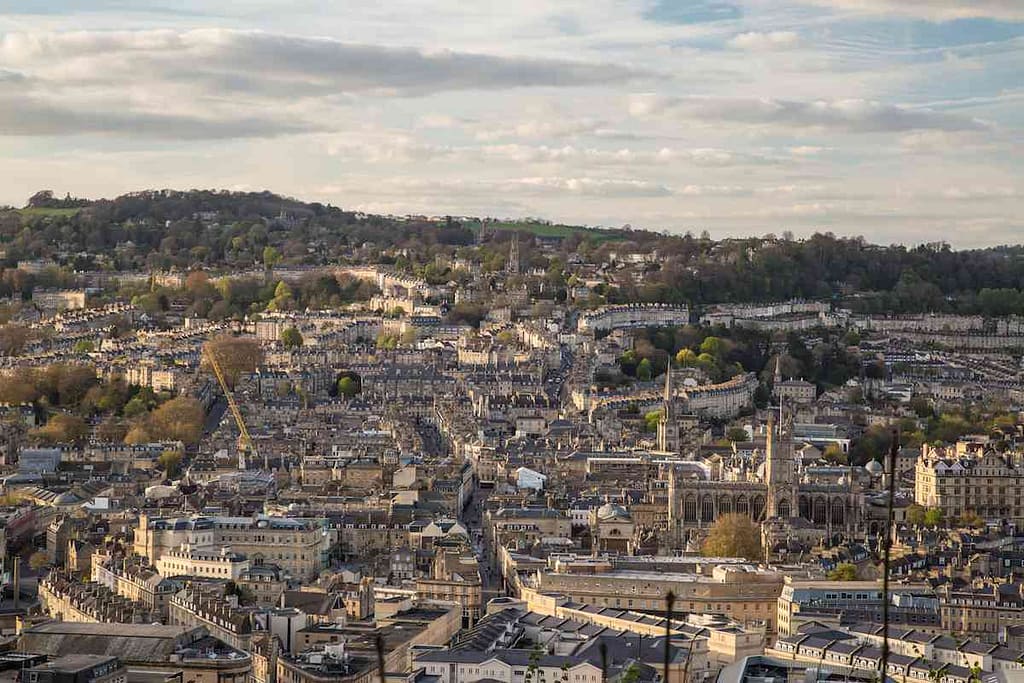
point(163, 229)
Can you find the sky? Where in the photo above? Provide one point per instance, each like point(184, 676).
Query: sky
point(898, 120)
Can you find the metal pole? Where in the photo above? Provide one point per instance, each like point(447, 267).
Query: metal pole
point(380, 657)
point(670, 601)
point(887, 552)
point(16, 574)
point(689, 656)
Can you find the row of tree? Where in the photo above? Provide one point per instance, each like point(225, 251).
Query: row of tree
point(165, 228)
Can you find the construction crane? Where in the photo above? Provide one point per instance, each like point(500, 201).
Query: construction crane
point(245, 442)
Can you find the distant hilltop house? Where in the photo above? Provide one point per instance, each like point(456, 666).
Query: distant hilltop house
point(37, 266)
point(56, 300)
point(633, 315)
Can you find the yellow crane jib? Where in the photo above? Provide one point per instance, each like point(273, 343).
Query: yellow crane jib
point(246, 444)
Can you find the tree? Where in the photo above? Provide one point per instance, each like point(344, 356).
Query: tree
point(197, 283)
point(140, 404)
point(651, 420)
point(631, 674)
point(38, 560)
point(347, 387)
point(834, 454)
point(170, 461)
point(84, 346)
point(934, 517)
point(19, 387)
point(235, 355)
point(949, 428)
point(972, 519)
point(716, 347)
point(112, 430)
point(644, 370)
point(387, 341)
point(139, 433)
point(271, 257)
point(283, 299)
point(733, 535)
point(686, 357)
point(61, 428)
point(915, 515)
point(13, 339)
point(736, 434)
point(67, 385)
point(42, 198)
point(291, 338)
point(534, 670)
point(921, 406)
point(843, 572)
point(180, 419)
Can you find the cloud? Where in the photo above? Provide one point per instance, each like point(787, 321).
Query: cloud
point(222, 83)
point(970, 193)
point(596, 186)
point(942, 142)
point(714, 191)
point(850, 115)
point(551, 186)
point(933, 10)
point(807, 150)
point(536, 128)
point(272, 64)
point(773, 40)
point(395, 146)
point(8, 76)
point(25, 118)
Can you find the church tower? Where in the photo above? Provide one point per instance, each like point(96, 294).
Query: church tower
point(513, 265)
point(777, 377)
point(780, 468)
point(668, 426)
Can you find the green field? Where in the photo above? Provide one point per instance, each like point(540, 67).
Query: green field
point(543, 229)
point(38, 212)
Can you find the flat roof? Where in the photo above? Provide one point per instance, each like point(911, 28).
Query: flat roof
point(75, 662)
point(123, 630)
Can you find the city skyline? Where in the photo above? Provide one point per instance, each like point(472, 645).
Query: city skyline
point(896, 121)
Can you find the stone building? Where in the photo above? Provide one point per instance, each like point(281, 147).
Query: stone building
point(146, 650)
point(989, 484)
point(613, 529)
point(699, 492)
point(298, 546)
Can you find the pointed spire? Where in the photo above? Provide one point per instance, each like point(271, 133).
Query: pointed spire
point(668, 384)
point(513, 265)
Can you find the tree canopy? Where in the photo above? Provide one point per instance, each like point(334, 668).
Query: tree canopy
point(235, 356)
point(291, 338)
point(733, 535)
point(844, 571)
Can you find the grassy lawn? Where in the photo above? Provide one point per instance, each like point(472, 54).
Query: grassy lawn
point(36, 212)
point(549, 229)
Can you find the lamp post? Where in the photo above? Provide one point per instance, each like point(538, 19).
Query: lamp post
point(670, 601)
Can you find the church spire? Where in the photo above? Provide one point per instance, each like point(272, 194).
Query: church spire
point(668, 428)
point(667, 398)
point(513, 265)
